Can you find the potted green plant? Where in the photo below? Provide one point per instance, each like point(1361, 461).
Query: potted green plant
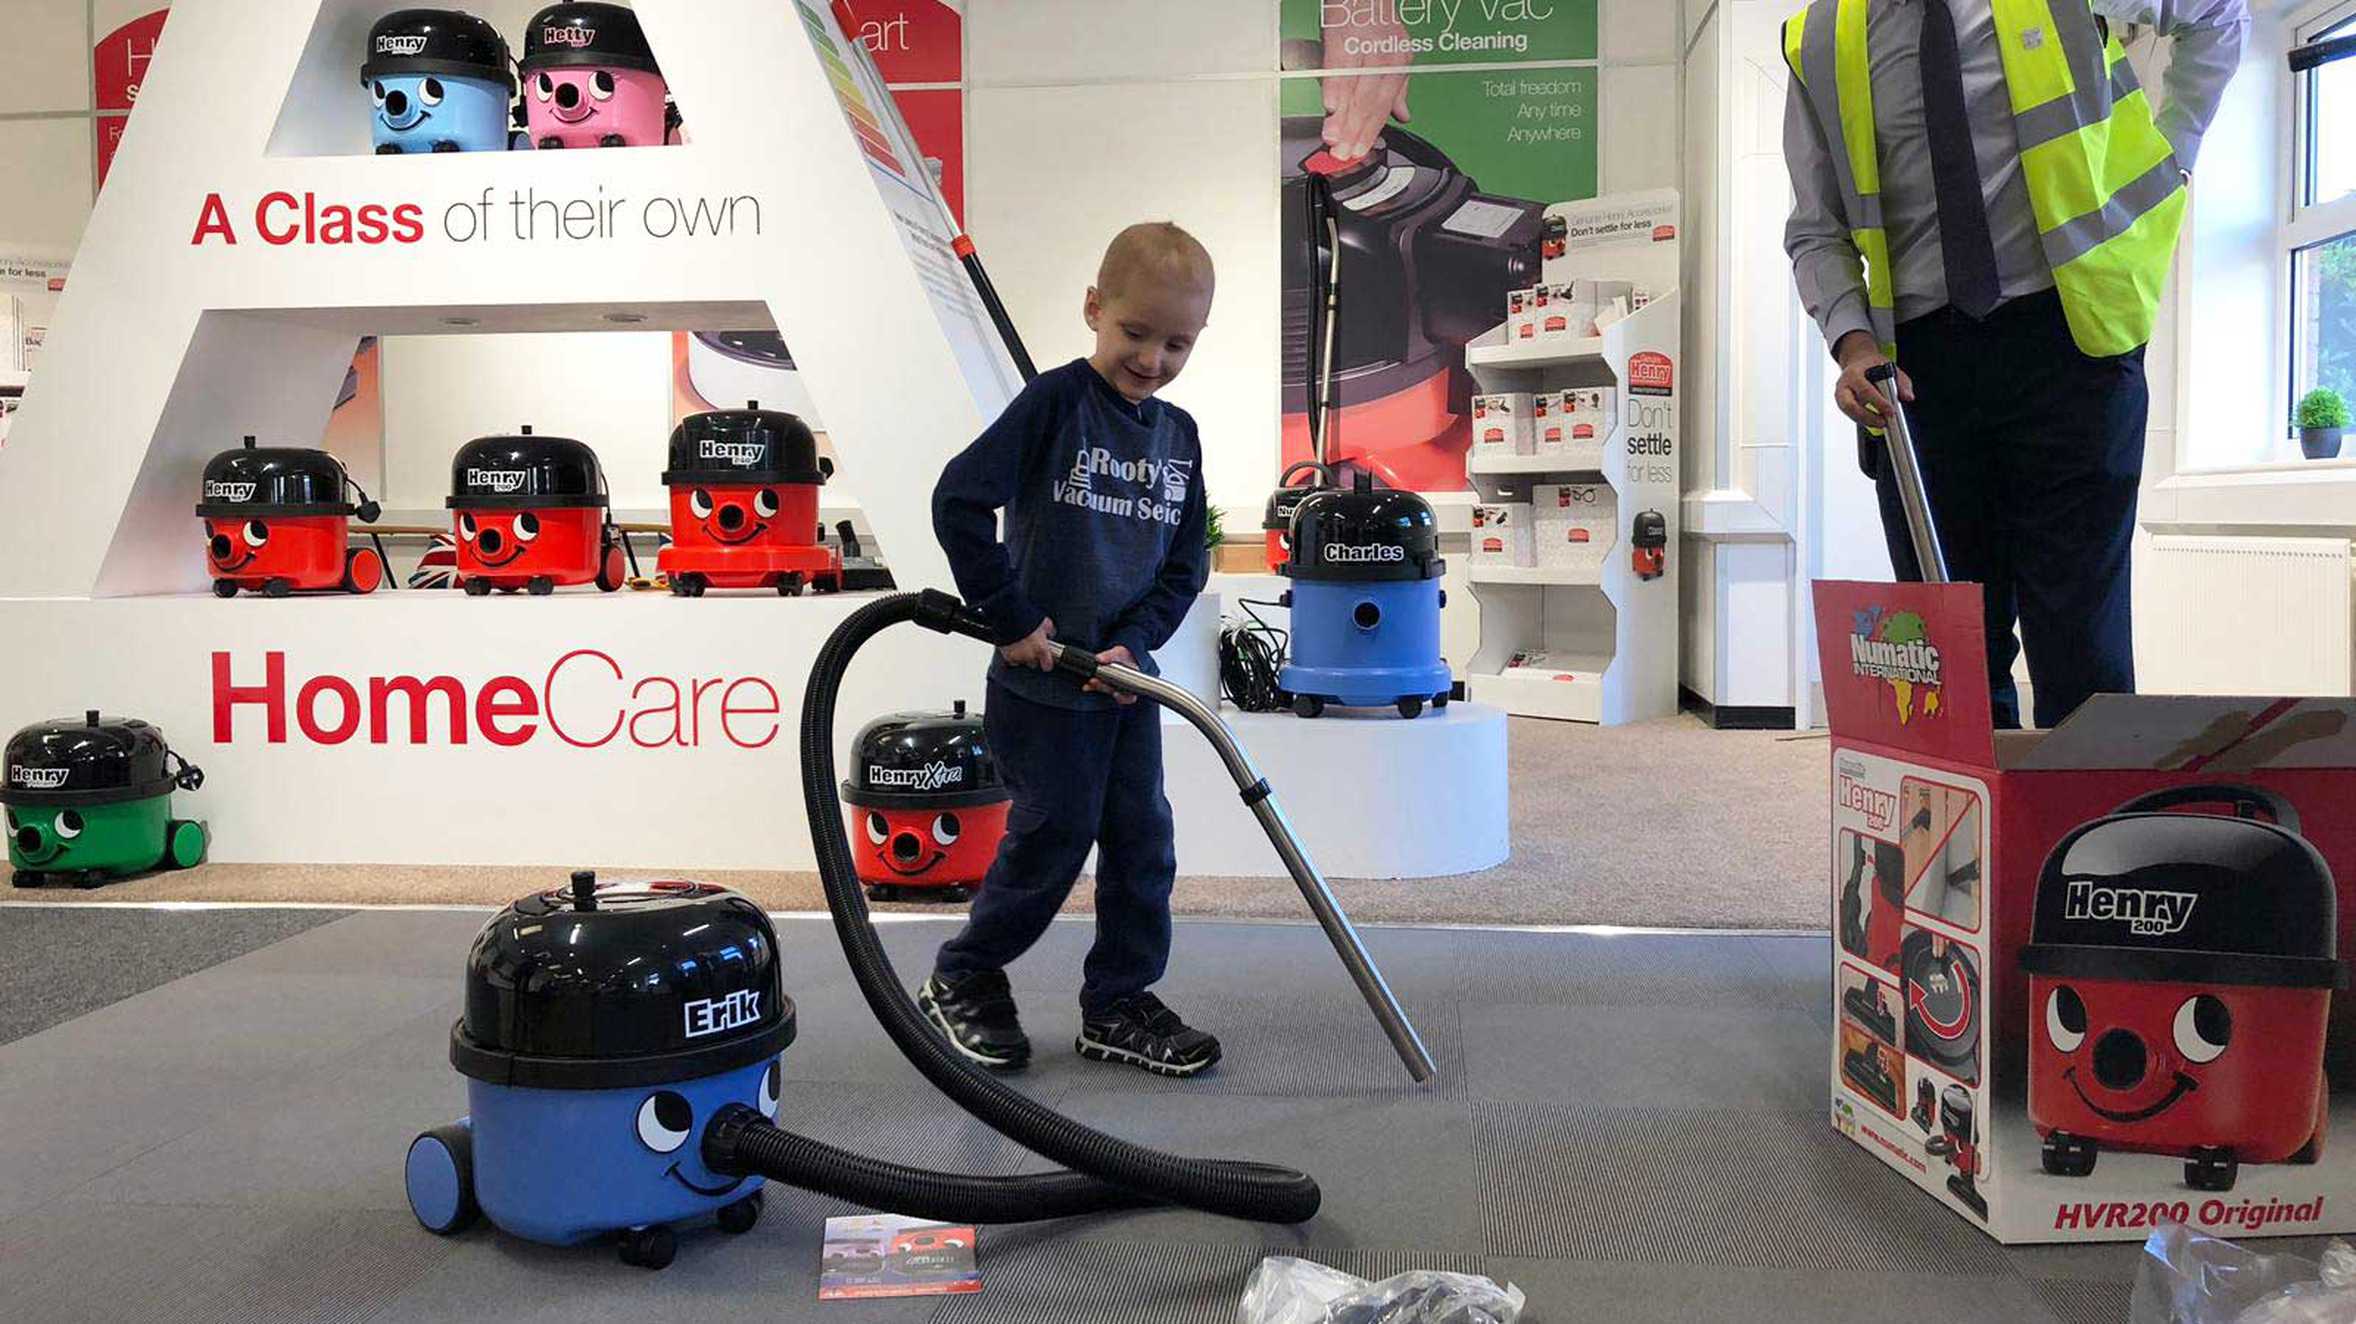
point(2323, 418)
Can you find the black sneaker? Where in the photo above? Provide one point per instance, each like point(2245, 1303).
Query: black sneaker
point(1142, 1032)
point(976, 1013)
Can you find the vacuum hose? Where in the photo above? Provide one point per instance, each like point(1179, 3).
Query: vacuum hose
point(1105, 1173)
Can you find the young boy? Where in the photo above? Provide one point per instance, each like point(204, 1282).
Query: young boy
point(1103, 550)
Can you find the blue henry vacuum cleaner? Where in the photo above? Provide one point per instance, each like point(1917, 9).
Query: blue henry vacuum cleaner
point(438, 80)
point(1366, 600)
point(621, 1042)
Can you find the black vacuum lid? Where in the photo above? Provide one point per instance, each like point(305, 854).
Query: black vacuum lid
point(748, 445)
point(272, 481)
point(1363, 532)
point(929, 760)
point(610, 985)
point(584, 35)
point(525, 472)
point(436, 41)
point(1942, 1004)
point(2145, 894)
point(86, 760)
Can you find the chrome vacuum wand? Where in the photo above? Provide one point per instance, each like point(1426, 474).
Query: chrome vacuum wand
point(1262, 801)
point(1906, 470)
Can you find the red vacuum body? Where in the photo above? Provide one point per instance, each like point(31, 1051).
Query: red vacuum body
point(2180, 976)
point(744, 505)
point(1276, 525)
point(530, 514)
point(278, 521)
point(926, 806)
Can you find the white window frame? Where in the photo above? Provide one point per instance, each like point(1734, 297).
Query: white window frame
point(2308, 224)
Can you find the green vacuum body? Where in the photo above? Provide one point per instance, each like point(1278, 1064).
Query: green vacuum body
point(89, 801)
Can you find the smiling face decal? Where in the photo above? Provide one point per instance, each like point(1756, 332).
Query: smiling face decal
point(235, 544)
point(576, 106)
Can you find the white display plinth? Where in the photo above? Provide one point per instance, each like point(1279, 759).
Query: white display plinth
point(1370, 794)
point(562, 748)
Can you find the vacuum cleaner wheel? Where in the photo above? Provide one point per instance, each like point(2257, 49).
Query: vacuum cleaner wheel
point(439, 1176)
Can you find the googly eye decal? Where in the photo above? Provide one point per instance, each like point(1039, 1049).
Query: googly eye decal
point(946, 829)
point(527, 526)
point(544, 87)
point(255, 533)
point(466, 527)
point(765, 504)
point(878, 831)
point(430, 91)
point(664, 1121)
point(769, 1091)
point(2065, 1019)
point(376, 93)
point(69, 825)
point(700, 502)
point(2204, 1027)
point(601, 85)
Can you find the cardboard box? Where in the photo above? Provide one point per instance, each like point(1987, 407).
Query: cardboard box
point(2113, 950)
point(1501, 424)
point(1502, 535)
point(1521, 315)
point(1573, 523)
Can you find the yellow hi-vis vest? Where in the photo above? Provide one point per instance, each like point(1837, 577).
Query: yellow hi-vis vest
point(2102, 180)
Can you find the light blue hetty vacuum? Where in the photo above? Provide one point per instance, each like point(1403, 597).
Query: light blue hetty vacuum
point(1365, 601)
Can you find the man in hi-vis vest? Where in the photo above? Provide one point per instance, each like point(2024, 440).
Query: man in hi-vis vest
point(1986, 197)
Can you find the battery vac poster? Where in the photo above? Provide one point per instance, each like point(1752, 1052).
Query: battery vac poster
point(118, 64)
point(1441, 176)
point(880, 1255)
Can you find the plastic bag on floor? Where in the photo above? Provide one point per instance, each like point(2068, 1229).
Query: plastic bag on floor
point(1284, 1290)
point(2188, 1278)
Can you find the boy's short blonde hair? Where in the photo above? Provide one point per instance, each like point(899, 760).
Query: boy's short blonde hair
point(1154, 252)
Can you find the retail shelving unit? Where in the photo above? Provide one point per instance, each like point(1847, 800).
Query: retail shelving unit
point(1591, 639)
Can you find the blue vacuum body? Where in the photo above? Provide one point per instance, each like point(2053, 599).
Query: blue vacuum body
point(605, 1027)
point(438, 80)
point(1366, 600)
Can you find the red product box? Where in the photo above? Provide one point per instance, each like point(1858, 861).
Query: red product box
point(2090, 980)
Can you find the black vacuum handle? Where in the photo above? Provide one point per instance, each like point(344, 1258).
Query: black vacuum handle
point(2217, 793)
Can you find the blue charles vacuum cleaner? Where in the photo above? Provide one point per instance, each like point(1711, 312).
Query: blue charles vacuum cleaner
point(621, 1042)
point(1366, 602)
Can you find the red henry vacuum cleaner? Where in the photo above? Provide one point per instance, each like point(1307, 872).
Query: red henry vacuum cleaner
point(278, 520)
point(1873, 901)
point(744, 505)
point(532, 514)
point(1427, 259)
point(1276, 525)
point(2181, 968)
point(926, 805)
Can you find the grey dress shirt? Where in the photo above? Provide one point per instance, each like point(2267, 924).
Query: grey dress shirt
point(2208, 40)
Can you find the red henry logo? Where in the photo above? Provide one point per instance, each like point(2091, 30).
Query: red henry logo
point(930, 777)
point(230, 492)
point(1651, 373)
point(409, 45)
point(1879, 807)
point(575, 36)
point(38, 779)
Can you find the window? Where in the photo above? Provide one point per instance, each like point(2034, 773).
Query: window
point(2321, 236)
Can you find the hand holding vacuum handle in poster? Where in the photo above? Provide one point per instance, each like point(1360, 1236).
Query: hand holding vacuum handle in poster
point(1358, 105)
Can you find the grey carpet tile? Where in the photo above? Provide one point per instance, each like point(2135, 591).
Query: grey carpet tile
point(1026, 1281)
point(192, 1265)
point(1569, 1292)
point(62, 961)
point(2077, 1301)
point(1781, 1191)
point(1738, 1059)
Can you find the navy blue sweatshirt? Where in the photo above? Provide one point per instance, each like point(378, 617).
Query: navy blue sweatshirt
point(1104, 524)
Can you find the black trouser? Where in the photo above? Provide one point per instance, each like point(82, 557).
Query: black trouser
point(1081, 778)
point(2031, 454)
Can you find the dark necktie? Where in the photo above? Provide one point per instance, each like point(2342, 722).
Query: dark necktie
point(1969, 253)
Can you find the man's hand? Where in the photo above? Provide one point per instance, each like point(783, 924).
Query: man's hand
point(1120, 654)
point(1357, 106)
point(1860, 399)
point(1031, 650)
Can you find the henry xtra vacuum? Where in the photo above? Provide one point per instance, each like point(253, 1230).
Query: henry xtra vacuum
point(2181, 968)
point(926, 804)
point(89, 800)
point(606, 1028)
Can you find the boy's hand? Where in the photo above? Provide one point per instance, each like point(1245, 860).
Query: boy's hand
point(1031, 650)
point(1118, 653)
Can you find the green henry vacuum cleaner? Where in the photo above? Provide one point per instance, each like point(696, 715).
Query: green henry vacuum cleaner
point(621, 1043)
point(88, 800)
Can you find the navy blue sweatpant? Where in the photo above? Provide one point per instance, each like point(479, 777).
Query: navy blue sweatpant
point(1081, 778)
